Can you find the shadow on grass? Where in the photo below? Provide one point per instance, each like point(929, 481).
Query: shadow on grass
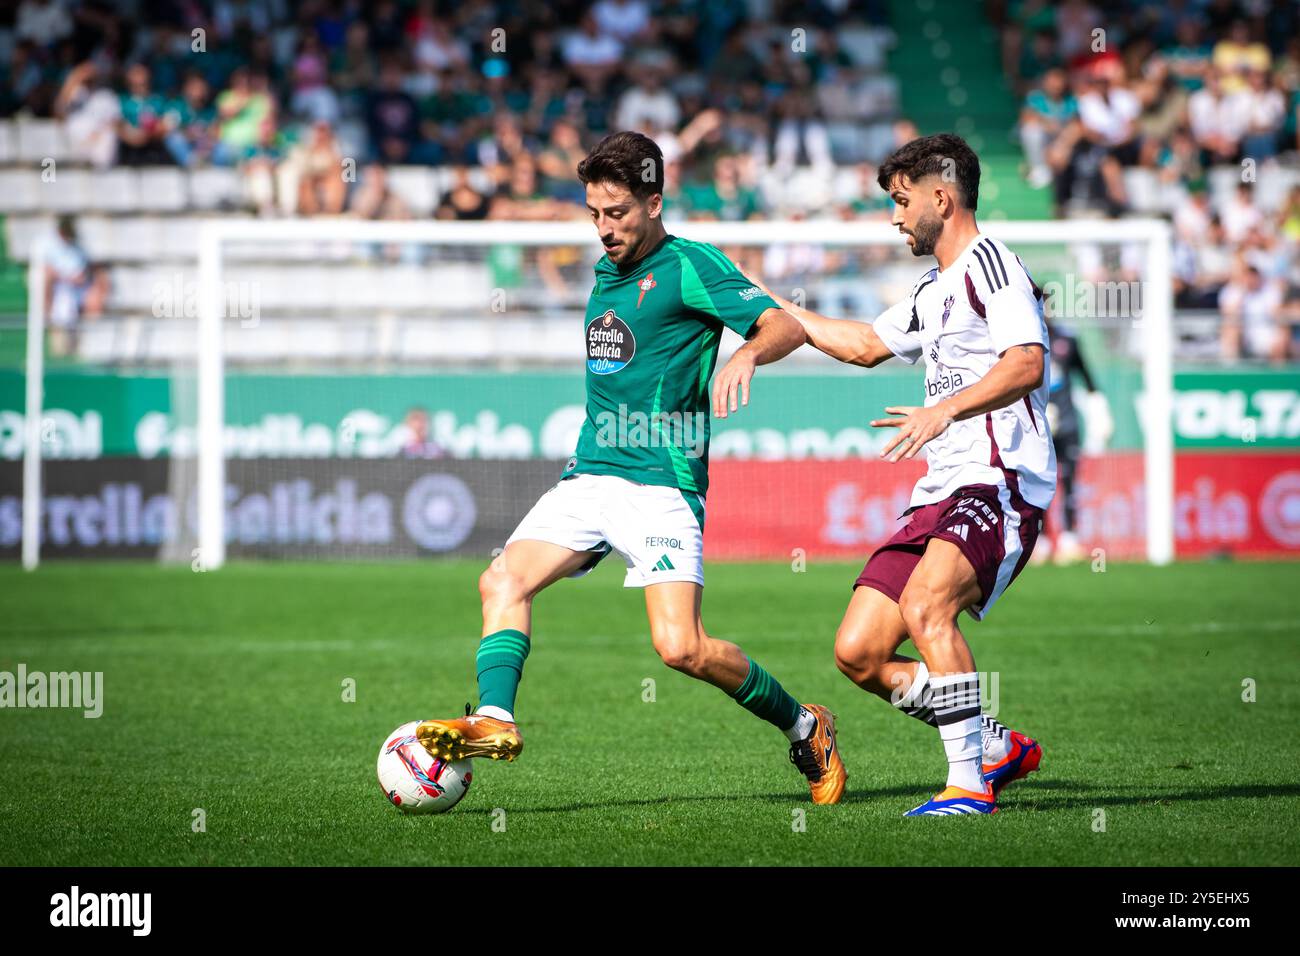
point(1136, 795)
point(1023, 795)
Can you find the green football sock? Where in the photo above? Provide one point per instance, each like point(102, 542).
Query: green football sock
point(763, 696)
point(500, 664)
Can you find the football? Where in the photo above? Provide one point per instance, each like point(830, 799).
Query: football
point(415, 781)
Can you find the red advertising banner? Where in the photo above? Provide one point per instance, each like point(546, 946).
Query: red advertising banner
point(1243, 504)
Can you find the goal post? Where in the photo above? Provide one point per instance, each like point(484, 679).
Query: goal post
point(1150, 332)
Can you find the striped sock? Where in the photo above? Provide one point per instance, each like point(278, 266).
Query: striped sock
point(996, 737)
point(763, 696)
point(500, 665)
point(917, 702)
point(956, 703)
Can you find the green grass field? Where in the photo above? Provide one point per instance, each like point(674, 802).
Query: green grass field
point(223, 691)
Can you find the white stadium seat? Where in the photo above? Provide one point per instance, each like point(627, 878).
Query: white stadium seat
point(20, 190)
point(163, 189)
point(416, 185)
point(115, 190)
point(41, 139)
point(214, 187)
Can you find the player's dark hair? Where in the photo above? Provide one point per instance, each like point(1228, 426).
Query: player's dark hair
point(628, 159)
point(945, 155)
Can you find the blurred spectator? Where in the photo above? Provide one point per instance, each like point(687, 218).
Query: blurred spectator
point(1251, 309)
point(26, 86)
point(463, 201)
point(374, 198)
point(313, 98)
point(392, 118)
point(43, 22)
point(647, 103)
point(191, 123)
point(724, 197)
point(1237, 54)
point(1190, 56)
point(1217, 120)
point(800, 135)
point(311, 176)
point(245, 116)
point(520, 196)
point(74, 289)
point(143, 127)
point(92, 112)
point(416, 441)
point(1264, 110)
point(1240, 214)
point(434, 47)
point(1288, 219)
point(1075, 22)
point(558, 163)
point(590, 54)
point(1046, 112)
point(624, 20)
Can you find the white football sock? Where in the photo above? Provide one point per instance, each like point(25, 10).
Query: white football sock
point(500, 713)
point(916, 702)
point(956, 703)
point(803, 725)
point(961, 742)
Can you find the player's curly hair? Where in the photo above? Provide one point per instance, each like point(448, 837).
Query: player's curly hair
point(628, 159)
point(943, 154)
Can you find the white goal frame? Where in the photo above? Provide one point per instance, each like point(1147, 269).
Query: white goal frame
point(1156, 327)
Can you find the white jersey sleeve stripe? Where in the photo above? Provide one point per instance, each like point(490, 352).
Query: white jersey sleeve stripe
point(993, 251)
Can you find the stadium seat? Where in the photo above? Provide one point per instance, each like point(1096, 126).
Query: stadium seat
point(41, 139)
point(415, 184)
point(22, 233)
point(8, 142)
point(214, 187)
point(115, 190)
point(19, 190)
point(163, 189)
point(70, 190)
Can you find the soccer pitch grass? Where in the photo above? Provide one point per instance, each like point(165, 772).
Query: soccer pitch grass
point(224, 692)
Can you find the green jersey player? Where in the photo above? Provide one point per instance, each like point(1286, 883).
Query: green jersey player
point(637, 481)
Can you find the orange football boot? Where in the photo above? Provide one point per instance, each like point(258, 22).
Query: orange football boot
point(474, 735)
point(818, 758)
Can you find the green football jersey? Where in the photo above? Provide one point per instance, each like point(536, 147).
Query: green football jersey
point(652, 333)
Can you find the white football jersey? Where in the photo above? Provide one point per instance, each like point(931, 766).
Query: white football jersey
point(962, 319)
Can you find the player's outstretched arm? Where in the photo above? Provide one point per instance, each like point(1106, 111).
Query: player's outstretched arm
point(853, 342)
point(776, 334)
point(1017, 373)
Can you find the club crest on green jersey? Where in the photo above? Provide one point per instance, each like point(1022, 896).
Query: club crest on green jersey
point(610, 344)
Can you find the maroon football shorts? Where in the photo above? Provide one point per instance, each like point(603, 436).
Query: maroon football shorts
point(994, 528)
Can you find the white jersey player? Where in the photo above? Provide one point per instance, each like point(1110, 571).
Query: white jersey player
point(976, 320)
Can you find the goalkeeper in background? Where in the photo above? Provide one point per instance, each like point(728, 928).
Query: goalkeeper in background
point(1063, 418)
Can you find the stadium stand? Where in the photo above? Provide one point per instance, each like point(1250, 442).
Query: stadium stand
point(140, 118)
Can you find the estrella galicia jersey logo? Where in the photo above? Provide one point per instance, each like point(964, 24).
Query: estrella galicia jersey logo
point(610, 344)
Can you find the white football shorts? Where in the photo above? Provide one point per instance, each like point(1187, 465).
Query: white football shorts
point(657, 530)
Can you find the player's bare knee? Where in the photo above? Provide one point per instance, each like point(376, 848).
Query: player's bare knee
point(499, 588)
point(928, 615)
point(680, 650)
point(854, 656)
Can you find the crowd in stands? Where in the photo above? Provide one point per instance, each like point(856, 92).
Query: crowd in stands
point(520, 89)
point(316, 101)
point(1149, 97)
